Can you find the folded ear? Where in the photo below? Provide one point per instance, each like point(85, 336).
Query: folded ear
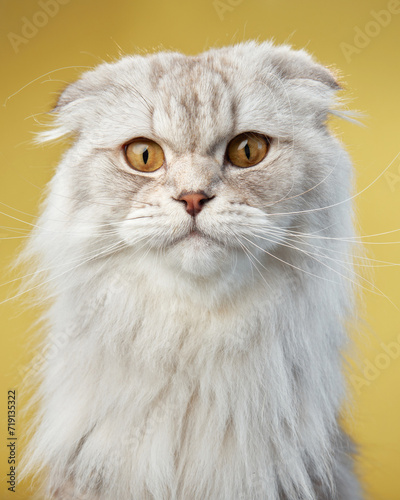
point(72, 93)
point(73, 105)
point(66, 114)
point(308, 87)
point(298, 64)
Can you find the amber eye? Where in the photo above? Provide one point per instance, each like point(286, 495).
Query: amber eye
point(144, 155)
point(247, 149)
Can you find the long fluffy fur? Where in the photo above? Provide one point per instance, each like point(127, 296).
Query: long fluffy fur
point(201, 368)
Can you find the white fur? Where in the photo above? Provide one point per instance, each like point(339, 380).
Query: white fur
point(207, 367)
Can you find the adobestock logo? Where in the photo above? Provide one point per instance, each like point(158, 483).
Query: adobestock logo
point(372, 29)
point(30, 27)
point(371, 370)
point(223, 7)
point(393, 179)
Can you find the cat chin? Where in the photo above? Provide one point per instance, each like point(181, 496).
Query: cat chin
point(200, 256)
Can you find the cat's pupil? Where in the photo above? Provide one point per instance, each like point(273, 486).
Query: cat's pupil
point(247, 151)
point(145, 155)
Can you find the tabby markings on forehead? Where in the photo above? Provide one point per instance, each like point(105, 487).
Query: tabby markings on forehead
point(190, 101)
point(156, 74)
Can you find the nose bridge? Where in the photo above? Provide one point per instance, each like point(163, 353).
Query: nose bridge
point(195, 174)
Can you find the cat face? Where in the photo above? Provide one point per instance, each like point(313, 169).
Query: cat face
point(193, 159)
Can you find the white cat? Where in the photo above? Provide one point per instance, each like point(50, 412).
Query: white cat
point(199, 278)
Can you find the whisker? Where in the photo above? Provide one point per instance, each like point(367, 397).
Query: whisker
point(329, 267)
point(113, 247)
point(20, 278)
point(289, 264)
point(251, 256)
point(314, 246)
point(15, 229)
point(52, 231)
point(349, 239)
point(13, 238)
point(109, 257)
point(285, 198)
point(339, 202)
point(42, 76)
point(247, 250)
point(92, 202)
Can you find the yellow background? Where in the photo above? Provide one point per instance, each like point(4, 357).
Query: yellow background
point(85, 32)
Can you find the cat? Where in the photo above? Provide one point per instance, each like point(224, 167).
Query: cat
point(199, 280)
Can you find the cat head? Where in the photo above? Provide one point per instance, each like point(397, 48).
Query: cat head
point(201, 161)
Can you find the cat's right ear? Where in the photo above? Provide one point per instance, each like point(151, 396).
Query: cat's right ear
point(72, 105)
point(63, 117)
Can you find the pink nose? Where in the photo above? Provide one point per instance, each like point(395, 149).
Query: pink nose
point(194, 202)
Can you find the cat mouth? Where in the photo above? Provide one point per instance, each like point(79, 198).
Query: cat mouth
point(196, 235)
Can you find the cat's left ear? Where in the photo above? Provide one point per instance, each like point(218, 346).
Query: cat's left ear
point(298, 65)
point(309, 87)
